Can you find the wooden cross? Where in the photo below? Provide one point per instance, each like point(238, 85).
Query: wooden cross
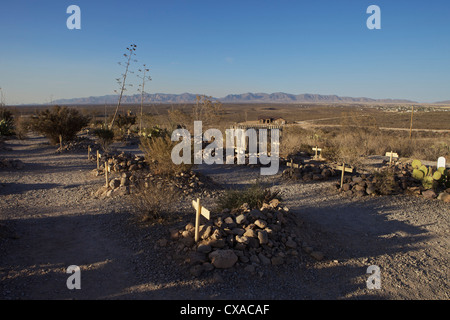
point(391, 155)
point(317, 149)
point(344, 169)
point(199, 211)
point(292, 165)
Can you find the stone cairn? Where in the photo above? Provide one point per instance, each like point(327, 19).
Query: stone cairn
point(308, 171)
point(129, 170)
point(79, 144)
point(388, 180)
point(240, 238)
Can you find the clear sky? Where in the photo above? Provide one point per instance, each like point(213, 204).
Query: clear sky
point(222, 47)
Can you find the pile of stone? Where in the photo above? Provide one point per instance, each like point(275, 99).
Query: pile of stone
point(79, 144)
point(187, 183)
point(11, 164)
point(117, 186)
point(240, 238)
point(119, 162)
point(308, 171)
point(389, 180)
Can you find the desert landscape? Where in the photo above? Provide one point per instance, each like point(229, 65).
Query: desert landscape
point(224, 158)
point(316, 241)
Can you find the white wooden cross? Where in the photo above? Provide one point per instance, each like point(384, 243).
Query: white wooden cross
point(441, 162)
point(391, 155)
point(199, 211)
point(317, 149)
point(344, 169)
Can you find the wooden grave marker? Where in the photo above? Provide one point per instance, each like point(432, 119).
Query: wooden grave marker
point(317, 149)
point(391, 155)
point(441, 162)
point(199, 211)
point(344, 169)
point(293, 166)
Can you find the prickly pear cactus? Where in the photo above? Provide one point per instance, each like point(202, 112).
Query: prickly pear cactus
point(416, 164)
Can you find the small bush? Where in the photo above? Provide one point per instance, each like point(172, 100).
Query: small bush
point(6, 122)
point(22, 127)
point(105, 137)
point(124, 122)
point(152, 202)
point(158, 154)
point(254, 196)
point(385, 182)
point(57, 121)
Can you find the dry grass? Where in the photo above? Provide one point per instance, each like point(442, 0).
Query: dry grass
point(150, 202)
point(158, 151)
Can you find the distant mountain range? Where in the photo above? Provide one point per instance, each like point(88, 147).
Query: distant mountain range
point(443, 102)
point(278, 97)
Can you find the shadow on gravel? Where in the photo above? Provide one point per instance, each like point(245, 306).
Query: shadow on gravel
point(18, 188)
point(356, 231)
point(33, 264)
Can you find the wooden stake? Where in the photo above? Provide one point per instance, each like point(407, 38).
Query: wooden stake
point(197, 219)
point(89, 152)
point(60, 142)
point(199, 211)
point(106, 173)
point(98, 160)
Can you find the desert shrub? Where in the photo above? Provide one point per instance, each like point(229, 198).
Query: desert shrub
point(158, 154)
point(6, 122)
point(295, 139)
point(254, 196)
point(152, 201)
point(385, 183)
point(59, 121)
point(154, 132)
point(105, 136)
point(124, 122)
point(22, 127)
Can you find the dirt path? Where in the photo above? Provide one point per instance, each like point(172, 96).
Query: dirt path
point(49, 220)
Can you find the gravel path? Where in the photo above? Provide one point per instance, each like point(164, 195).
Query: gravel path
point(50, 220)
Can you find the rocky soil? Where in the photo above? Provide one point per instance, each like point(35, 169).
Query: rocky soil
point(50, 219)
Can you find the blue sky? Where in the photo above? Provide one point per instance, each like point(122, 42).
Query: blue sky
point(223, 47)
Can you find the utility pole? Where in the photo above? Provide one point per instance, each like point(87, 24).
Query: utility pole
point(410, 128)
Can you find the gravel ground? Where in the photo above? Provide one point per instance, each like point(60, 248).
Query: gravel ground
point(50, 220)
